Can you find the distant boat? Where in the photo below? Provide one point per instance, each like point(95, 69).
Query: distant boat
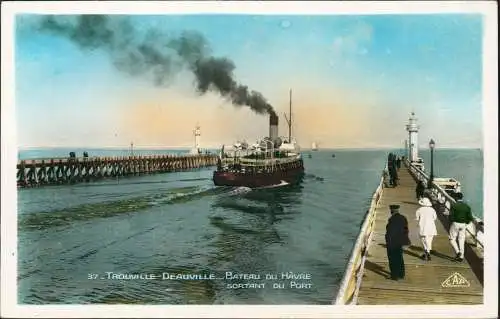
point(333, 155)
point(314, 146)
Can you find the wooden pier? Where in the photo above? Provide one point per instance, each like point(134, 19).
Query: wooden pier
point(54, 171)
point(438, 281)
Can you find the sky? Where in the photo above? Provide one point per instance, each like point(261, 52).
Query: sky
point(355, 79)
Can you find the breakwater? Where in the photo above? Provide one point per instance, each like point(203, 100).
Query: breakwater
point(55, 171)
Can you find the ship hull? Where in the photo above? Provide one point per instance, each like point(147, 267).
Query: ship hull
point(291, 176)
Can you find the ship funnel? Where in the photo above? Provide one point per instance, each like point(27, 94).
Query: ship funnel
point(273, 127)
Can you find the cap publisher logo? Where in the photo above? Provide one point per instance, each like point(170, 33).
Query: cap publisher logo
point(455, 280)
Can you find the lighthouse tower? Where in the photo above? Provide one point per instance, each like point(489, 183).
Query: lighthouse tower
point(412, 129)
point(197, 136)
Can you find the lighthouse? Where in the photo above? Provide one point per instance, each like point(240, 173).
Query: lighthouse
point(197, 136)
point(412, 128)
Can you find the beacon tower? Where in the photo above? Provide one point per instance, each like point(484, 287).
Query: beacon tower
point(412, 128)
point(197, 136)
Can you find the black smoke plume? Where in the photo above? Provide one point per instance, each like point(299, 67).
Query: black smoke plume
point(157, 55)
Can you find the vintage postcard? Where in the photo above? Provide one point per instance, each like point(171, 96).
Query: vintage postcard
point(249, 159)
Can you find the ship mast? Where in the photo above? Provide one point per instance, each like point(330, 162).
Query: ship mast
point(290, 121)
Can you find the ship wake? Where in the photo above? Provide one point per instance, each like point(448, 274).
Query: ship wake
point(281, 184)
point(239, 191)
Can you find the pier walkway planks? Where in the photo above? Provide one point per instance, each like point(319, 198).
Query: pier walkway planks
point(424, 279)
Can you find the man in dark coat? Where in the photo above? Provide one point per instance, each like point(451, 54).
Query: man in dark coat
point(394, 174)
point(396, 237)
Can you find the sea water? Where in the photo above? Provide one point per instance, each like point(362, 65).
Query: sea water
point(115, 240)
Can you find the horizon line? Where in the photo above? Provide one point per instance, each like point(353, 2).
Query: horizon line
point(25, 148)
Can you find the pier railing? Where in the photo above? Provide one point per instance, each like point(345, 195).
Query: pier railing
point(349, 286)
point(475, 230)
point(53, 171)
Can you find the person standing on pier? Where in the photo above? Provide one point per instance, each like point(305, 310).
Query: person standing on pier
point(386, 178)
point(391, 168)
point(460, 217)
point(396, 237)
point(394, 174)
point(420, 190)
point(426, 217)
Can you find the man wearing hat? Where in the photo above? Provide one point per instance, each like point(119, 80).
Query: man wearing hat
point(396, 237)
point(426, 218)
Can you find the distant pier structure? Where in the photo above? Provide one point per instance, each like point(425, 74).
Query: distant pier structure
point(412, 128)
point(72, 169)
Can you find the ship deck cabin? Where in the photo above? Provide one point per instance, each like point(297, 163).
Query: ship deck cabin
point(260, 168)
point(264, 155)
point(257, 163)
point(258, 158)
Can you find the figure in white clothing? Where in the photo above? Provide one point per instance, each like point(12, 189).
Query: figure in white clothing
point(426, 217)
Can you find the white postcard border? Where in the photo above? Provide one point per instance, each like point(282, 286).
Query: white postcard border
point(9, 307)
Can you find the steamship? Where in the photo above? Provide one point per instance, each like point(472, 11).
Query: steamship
point(272, 161)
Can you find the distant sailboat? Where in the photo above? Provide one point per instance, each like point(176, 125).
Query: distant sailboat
point(314, 146)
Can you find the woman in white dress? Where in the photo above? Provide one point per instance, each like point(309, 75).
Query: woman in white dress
point(426, 218)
